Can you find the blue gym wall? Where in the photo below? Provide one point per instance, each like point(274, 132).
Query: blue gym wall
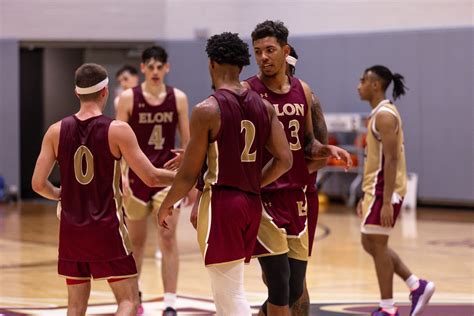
point(437, 111)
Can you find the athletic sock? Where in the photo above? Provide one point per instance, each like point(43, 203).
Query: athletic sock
point(412, 282)
point(388, 306)
point(169, 300)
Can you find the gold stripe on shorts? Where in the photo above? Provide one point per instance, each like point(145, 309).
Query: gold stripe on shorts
point(271, 237)
point(204, 220)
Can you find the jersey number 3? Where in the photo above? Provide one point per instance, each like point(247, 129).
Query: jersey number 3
point(249, 129)
point(84, 173)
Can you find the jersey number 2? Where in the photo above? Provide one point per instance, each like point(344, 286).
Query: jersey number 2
point(83, 154)
point(249, 129)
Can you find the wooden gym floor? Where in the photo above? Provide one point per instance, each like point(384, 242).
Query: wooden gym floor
point(341, 279)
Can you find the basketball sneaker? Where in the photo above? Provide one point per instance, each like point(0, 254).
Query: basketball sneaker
point(381, 312)
point(169, 311)
point(421, 296)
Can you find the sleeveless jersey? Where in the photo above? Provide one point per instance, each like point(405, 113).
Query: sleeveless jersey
point(92, 226)
point(312, 182)
point(373, 182)
point(291, 109)
point(235, 158)
point(155, 125)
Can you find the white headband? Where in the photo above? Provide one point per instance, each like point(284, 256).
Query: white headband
point(291, 60)
point(97, 87)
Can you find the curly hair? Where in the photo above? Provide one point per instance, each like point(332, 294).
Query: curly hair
point(228, 48)
point(271, 29)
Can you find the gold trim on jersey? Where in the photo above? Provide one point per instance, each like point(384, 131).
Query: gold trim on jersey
point(59, 209)
point(119, 208)
point(212, 173)
point(204, 220)
point(374, 153)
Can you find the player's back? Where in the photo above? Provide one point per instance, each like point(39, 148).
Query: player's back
point(91, 201)
point(235, 158)
point(155, 125)
point(291, 109)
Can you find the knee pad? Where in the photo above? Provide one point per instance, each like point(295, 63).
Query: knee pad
point(277, 273)
point(297, 276)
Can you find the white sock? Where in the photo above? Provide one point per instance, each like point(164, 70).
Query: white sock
point(169, 300)
point(412, 282)
point(388, 305)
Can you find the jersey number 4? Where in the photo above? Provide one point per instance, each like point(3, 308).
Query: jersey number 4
point(156, 137)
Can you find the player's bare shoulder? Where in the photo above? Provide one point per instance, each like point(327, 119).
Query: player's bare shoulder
point(207, 109)
point(306, 87)
point(126, 95)
point(270, 109)
point(246, 85)
point(125, 104)
point(179, 94)
point(181, 100)
point(118, 127)
point(55, 128)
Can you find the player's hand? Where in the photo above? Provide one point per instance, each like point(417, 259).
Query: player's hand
point(336, 152)
point(386, 215)
point(359, 208)
point(174, 163)
point(163, 213)
point(190, 198)
point(194, 214)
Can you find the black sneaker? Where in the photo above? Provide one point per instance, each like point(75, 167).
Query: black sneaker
point(169, 311)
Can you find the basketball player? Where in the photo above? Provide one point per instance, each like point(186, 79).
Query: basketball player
point(282, 243)
point(93, 239)
point(302, 305)
point(127, 77)
point(384, 187)
point(155, 111)
point(229, 131)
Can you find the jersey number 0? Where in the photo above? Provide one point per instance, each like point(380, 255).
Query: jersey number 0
point(84, 173)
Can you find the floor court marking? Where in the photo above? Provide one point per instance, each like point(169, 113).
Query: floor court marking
point(194, 306)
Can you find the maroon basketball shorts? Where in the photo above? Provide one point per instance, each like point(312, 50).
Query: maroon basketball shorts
point(227, 226)
point(85, 270)
point(371, 210)
point(313, 212)
point(143, 199)
point(283, 228)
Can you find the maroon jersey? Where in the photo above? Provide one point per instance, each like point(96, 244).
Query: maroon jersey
point(235, 158)
point(92, 226)
point(312, 182)
point(291, 109)
point(155, 125)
